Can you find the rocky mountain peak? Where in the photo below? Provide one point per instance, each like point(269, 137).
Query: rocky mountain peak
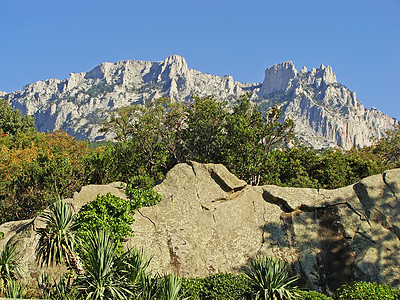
point(278, 77)
point(325, 112)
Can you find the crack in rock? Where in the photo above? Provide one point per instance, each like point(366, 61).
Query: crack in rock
point(388, 186)
point(268, 197)
point(146, 217)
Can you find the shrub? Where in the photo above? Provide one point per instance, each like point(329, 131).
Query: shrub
point(36, 168)
point(366, 290)
point(141, 197)
point(109, 213)
point(218, 286)
point(313, 295)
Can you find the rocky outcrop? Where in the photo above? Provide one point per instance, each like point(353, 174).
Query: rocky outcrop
point(209, 221)
point(325, 113)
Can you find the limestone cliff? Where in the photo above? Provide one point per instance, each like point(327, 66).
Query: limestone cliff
point(209, 221)
point(325, 112)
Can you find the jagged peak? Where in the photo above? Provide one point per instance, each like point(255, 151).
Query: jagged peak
point(278, 77)
point(175, 59)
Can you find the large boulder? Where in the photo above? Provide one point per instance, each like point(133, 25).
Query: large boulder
point(209, 221)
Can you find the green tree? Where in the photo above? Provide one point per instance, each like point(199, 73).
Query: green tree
point(204, 134)
point(120, 123)
point(12, 121)
point(251, 134)
point(388, 148)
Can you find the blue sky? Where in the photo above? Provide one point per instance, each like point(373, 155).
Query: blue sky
point(360, 39)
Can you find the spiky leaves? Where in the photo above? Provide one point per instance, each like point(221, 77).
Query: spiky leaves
point(9, 268)
point(101, 280)
point(57, 239)
point(270, 279)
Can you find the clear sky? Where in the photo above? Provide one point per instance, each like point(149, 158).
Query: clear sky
point(360, 39)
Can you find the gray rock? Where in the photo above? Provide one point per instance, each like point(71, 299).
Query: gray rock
point(209, 221)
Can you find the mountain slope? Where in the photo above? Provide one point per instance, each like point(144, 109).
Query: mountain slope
point(325, 112)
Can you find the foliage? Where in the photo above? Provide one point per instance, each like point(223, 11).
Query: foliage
point(251, 134)
point(170, 287)
point(9, 268)
point(57, 240)
point(387, 149)
point(36, 168)
point(133, 268)
point(101, 279)
point(366, 290)
point(12, 121)
point(312, 295)
point(141, 197)
point(218, 286)
point(14, 289)
point(204, 136)
point(270, 279)
point(108, 213)
point(62, 289)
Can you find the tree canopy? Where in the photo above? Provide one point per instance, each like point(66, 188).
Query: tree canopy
point(12, 121)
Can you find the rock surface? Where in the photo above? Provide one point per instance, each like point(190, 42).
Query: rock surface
point(209, 221)
point(325, 113)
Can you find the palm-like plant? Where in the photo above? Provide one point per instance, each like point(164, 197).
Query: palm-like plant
point(102, 279)
point(171, 286)
point(14, 289)
point(9, 268)
point(270, 279)
point(57, 239)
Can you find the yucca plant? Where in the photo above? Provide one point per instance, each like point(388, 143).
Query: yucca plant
point(57, 239)
point(270, 279)
point(132, 267)
point(150, 287)
point(9, 268)
point(102, 279)
point(14, 289)
point(170, 288)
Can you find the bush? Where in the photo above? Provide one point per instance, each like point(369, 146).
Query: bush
point(218, 286)
point(312, 295)
point(366, 290)
point(141, 197)
point(37, 168)
point(109, 213)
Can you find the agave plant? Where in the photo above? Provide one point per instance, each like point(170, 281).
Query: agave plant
point(57, 239)
point(102, 279)
point(9, 268)
point(270, 279)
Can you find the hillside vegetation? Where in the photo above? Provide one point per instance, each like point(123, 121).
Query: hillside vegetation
point(36, 168)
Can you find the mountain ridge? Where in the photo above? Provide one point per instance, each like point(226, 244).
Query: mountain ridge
point(325, 113)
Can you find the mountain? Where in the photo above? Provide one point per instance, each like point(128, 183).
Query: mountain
point(325, 112)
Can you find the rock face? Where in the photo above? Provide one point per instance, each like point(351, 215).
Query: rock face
point(325, 113)
point(209, 221)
